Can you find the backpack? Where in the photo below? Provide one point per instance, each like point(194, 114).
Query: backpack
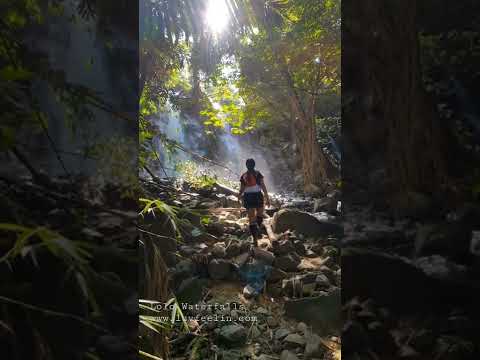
point(250, 179)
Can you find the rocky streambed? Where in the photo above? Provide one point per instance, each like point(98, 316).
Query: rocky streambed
point(280, 301)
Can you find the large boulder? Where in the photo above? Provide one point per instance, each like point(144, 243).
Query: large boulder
point(190, 290)
point(304, 223)
point(322, 313)
point(397, 282)
point(326, 204)
point(402, 285)
point(449, 239)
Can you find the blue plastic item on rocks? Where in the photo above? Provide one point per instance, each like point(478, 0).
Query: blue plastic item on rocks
point(255, 273)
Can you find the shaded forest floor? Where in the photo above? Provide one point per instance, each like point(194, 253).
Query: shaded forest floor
point(410, 286)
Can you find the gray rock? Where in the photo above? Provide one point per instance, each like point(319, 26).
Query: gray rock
point(216, 228)
point(299, 285)
point(218, 250)
point(302, 328)
point(190, 290)
point(288, 355)
point(439, 267)
point(272, 321)
point(255, 332)
point(300, 247)
point(314, 347)
point(183, 270)
point(322, 313)
point(249, 292)
point(276, 275)
point(295, 340)
point(234, 334)
point(283, 247)
point(318, 248)
point(288, 263)
point(185, 266)
point(304, 223)
point(262, 311)
point(266, 357)
point(266, 256)
point(233, 249)
point(327, 204)
point(281, 333)
point(322, 281)
point(232, 355)
point(219, 269)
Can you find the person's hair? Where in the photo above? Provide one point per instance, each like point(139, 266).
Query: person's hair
point(250, 165)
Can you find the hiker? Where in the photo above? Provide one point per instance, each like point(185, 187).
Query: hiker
point(251, 187)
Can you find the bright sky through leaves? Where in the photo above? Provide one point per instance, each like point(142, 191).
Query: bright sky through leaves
point(217, 16)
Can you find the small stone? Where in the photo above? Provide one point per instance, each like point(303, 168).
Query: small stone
point(302, 328)
point(407, 352)
point(266, 357)
point(288, 355)
point(234, 314)
point(300, 247)
point(262, 311)
point(295, 339)
point(288, 263)
point(276, 275)
point(249, 292)
point(322, 281)
point(219, 269)
point(233, 249)
point(283, 247)
point(264, 255)
point(218, 250)
point(314, 347)
point(272, 321)
point(281, 333)
point(255, 332)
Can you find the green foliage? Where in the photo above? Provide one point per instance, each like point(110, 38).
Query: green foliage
point(29, 240)
point(194, 176)
point(117, 163)
point(76, 255)
point(158, 323)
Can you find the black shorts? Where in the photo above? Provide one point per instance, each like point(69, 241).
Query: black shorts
point(253, 200)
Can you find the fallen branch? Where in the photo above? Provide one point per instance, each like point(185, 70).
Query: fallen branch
point(271, 235)
point(225, 189)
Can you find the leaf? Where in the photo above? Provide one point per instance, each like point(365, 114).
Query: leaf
point(82, 283)
point(148, 325)
point(149, 355)
point(9, 73)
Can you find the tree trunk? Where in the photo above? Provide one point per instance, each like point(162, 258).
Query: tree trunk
point(389, 122)
point(316, 168)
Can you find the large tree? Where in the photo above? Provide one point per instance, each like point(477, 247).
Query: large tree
point(389, 121)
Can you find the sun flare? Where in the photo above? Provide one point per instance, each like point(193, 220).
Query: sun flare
point(217, 16)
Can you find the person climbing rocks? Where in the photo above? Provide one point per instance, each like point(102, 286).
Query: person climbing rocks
point(251, 187)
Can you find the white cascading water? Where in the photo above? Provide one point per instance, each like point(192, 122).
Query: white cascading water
point(232, 152)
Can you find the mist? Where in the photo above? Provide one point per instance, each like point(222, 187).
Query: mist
point(230, 151)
